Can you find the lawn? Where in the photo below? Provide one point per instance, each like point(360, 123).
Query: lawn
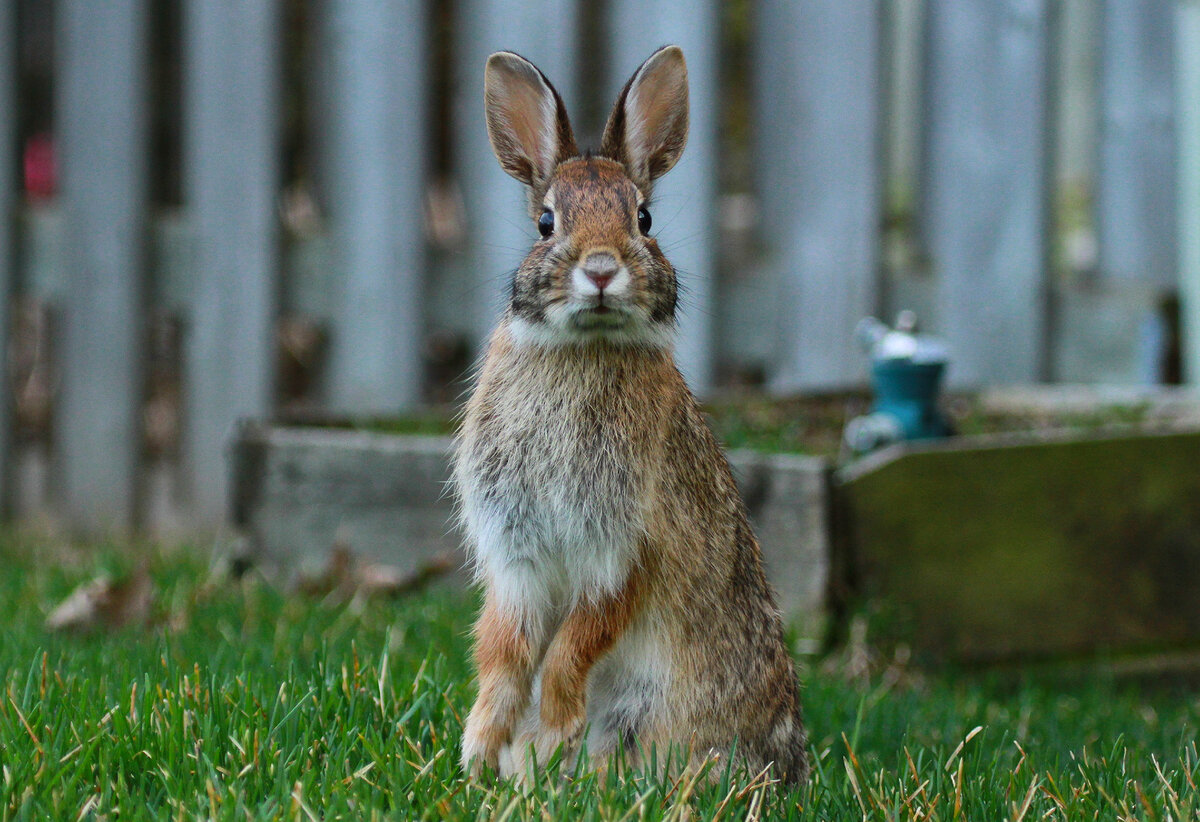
point(241, 702)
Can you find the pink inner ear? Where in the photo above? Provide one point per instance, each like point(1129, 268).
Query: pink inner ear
point(657, 116)
point(526, 119)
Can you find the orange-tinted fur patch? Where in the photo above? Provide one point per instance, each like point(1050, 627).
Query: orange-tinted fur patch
point(588, 632)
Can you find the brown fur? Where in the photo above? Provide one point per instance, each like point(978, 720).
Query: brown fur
point(589, 631)
point(505, 665)
point(625, 586)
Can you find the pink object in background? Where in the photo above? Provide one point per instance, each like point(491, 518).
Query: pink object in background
point(41, 169)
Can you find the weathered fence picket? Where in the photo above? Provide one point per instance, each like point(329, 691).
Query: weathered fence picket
point(231, 177)
point(102, 123)
point(819, 176)
point(375, 172)
point(1135, 185)
point(986, 183)
point(1187, 96)
point(684, 208)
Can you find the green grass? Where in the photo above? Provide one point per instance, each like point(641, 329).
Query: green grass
point(244, 703)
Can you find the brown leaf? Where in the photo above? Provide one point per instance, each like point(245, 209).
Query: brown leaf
point(105, 604)
point(347, 576)
point(388, 580)
point(336, 573)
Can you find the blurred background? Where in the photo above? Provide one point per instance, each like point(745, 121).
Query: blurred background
point(221, 209)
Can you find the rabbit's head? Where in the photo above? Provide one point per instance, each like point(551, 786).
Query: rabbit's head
point(596, 273)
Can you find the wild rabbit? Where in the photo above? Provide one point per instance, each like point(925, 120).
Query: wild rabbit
point(625, 598)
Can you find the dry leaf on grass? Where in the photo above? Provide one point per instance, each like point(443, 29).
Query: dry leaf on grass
point(105, 604)
point(347, 576)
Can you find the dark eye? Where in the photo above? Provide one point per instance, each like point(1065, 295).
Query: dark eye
point(546, 223)
point(643, 220)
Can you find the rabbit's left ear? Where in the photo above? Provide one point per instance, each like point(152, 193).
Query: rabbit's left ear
point(526, 120)
point(648, 127)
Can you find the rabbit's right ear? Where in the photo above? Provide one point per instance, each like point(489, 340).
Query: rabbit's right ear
point(526, 120)
point(648, 127)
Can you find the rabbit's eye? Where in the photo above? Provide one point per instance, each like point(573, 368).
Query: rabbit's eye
point(546, 223)
point(643, 220)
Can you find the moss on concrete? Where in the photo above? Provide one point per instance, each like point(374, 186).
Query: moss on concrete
point(987, 551)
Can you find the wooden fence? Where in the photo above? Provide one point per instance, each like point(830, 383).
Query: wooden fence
point(1023, 173)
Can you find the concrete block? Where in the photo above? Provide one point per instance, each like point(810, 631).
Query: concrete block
point(298, 491)
point(788, 500)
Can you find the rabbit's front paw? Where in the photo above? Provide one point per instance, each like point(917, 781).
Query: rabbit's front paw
point(516, 760)
point(548, 740)
point(481, 746)
point(533, 749)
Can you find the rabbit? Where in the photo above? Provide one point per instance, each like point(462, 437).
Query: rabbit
point(625, 604)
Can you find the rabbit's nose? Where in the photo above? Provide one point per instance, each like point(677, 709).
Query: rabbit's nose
point(600, 269)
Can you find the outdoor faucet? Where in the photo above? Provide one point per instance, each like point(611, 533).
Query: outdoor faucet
point(906, 376)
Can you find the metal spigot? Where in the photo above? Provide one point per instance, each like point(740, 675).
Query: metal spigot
point(906, 375)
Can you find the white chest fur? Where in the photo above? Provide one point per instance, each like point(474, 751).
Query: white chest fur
point(551, 491)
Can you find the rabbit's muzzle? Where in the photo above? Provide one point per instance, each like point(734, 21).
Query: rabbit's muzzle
point(601, 289)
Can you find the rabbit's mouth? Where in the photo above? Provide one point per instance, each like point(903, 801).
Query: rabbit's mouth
point(599, 316)
point(573, 323)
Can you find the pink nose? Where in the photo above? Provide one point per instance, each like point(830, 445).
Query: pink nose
point(600, 280)
point(600, 269)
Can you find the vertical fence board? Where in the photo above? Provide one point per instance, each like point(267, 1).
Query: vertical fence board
point(102, 127)
point(986, 181)
point(818, 99)
point(1135, 191)
point(8, 257)
point(1187, 41)
point(375, 181)
point(499, 230)
point(231, 178)
point(684, 207)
